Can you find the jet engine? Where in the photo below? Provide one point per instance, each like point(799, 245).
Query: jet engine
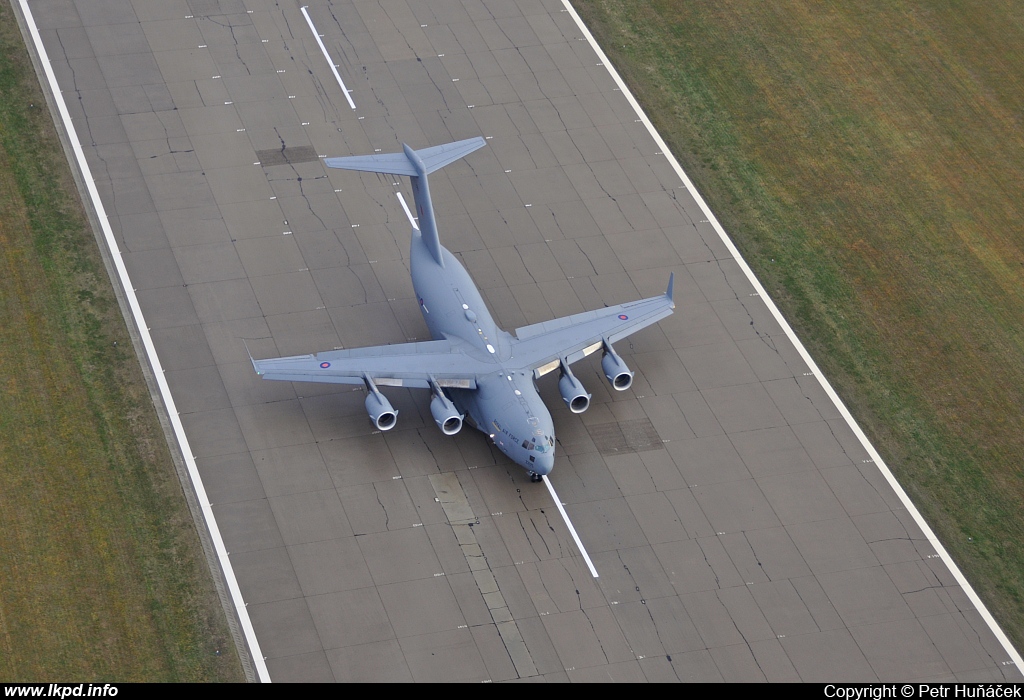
point(573, 393)
point(447, 417)
point(615, 370)
point(382, 413)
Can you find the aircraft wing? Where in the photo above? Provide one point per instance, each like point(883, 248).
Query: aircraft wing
point(403, 364)
point(541, 346)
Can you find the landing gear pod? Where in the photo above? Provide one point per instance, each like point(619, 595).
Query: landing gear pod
point(382, 413)
point(447, 417)
point(615, 370)
point(573, 393)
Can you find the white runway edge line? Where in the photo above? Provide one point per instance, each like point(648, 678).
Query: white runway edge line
point(568, 523)
point(337, 76)
point(877, 458)
point(147, 342)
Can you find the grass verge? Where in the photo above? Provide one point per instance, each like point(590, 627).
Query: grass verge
point(102, 576)
point(867, 157)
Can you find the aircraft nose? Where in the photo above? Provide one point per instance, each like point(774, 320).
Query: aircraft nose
point(544, 463)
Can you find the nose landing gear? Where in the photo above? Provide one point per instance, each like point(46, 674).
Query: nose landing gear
point(535, 477)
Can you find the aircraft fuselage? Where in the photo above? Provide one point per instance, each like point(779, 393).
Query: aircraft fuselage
point(505, 405)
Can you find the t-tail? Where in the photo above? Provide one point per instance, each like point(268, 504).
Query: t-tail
point(417, 165)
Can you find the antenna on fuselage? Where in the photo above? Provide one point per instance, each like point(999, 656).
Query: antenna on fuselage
point(416, 165)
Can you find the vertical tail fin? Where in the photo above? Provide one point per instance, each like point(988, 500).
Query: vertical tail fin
point(416, 165)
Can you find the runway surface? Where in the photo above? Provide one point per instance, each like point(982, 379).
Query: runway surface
point(740, 529)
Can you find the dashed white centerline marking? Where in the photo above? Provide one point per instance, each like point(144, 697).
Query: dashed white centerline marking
point(407, 212)
point(568, 524)
point(323, 48)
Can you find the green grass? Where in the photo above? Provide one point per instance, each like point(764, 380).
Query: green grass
point(102, 576)
point(867, 157)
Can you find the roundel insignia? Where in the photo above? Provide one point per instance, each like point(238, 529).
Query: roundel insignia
point(325, 365)
point(623, 317)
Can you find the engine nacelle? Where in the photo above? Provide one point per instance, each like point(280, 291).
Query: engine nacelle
point(616, 371)
point(573, 393)
point(382, 413)
point(447, 417)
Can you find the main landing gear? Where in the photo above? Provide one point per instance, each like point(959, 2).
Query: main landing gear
point(535, 477)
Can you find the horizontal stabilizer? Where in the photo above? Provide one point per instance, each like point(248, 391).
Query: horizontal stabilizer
point(433, 158)
point(390, 163)
point(415, 164)
point(436, 157)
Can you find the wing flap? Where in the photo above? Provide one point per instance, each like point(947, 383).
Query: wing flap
point(541, 345)
point(403, 364)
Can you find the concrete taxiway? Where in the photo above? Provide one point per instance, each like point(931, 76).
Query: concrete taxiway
point(741, 528)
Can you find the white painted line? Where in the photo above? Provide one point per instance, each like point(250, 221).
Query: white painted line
point(407, 212)
point(882, 467)
point(568, 523)
point(147, 342)
point(316, 35)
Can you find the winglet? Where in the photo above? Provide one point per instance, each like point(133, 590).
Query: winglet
point(671, 284)
point(247, 352)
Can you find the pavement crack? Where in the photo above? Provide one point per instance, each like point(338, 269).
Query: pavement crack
point(536, 530)
point(525, 266)
point(288, 26)
point(544, 586)
point(74, 83)
point(344, 35)
point(579, 596)
point(657, 633)
point(426, 445)
point(923, 588)
point(672, 665)
point(744, 638)
point(593, 629)
point(387, 518)
point(718, 583)
point(589, 261)
point(806, 607)
point(572, 138)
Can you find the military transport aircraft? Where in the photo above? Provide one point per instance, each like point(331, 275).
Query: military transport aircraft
point(472, 367)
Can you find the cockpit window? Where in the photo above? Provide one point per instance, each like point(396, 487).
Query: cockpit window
point(546, 444)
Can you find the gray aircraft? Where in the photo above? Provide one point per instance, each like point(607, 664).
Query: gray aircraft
point(473, 368)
